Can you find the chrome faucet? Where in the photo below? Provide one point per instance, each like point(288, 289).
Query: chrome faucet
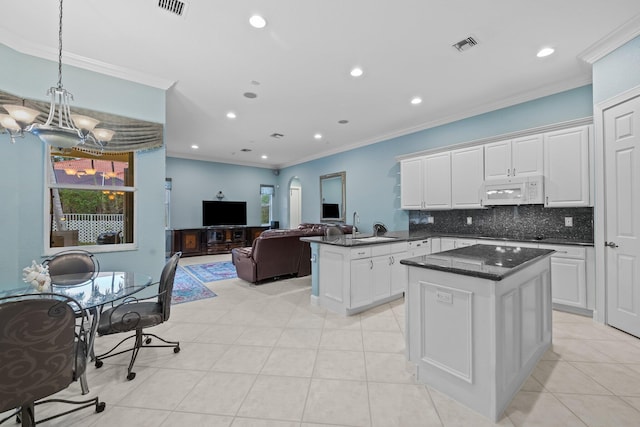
point(356, 218)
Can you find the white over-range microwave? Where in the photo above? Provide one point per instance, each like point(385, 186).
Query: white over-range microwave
point(527, 190)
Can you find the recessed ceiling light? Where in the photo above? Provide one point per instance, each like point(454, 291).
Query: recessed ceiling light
point(343, 121)
point(416, 100)
point(257, 21)
point(356, 72)
point(318, 136)
point(195, 147)
point(250, 95)
point(545, 51)
point(264, 156)
point(231, 115)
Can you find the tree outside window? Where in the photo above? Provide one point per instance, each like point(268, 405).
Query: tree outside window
point(91, 198)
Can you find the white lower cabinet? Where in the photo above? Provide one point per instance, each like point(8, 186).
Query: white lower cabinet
point(569, 284)
point(355, 279)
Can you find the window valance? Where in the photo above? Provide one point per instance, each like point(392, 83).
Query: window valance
point(130, 134)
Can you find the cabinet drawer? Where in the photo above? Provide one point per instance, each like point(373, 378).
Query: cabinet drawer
point(364, 252)
point(465, 242)
point(567, 251)
point(377, 250)
point(398, 247)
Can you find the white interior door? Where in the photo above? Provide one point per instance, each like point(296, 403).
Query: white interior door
point(295, 207)
point(622, 229)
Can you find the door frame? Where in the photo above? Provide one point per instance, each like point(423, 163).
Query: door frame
point(600, 212)
point(293, 180)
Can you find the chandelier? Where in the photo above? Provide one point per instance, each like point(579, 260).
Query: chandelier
point(62, 129)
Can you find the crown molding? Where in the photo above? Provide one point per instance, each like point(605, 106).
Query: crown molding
point(621, 35)
point(44, 52)
point(481, 109)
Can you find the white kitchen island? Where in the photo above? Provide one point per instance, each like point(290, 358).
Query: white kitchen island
point(478, 320)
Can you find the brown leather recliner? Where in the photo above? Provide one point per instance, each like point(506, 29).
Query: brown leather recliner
point(277, 253)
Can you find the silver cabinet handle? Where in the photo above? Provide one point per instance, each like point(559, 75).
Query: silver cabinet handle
point(514, 172)
point(508, 172)
point(370, 264)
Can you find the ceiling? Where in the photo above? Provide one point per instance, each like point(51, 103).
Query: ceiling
point(298, 66)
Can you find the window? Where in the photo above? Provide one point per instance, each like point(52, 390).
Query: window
point(266, 203)
point(91, 199)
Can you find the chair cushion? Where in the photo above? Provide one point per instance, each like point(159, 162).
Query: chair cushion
point(127, 317)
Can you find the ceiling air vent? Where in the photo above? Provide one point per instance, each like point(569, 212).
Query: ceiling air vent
point(465, 44)
point(176, 7)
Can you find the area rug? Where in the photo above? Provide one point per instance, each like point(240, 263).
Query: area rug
point(186, 288)
point(212, 271)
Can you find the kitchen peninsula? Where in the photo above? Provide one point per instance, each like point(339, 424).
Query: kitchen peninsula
point(478, 321)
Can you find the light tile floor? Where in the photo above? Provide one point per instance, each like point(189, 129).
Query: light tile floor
point(262, 356)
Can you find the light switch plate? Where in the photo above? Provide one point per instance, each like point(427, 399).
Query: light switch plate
point(469, 220)
point(568, 221)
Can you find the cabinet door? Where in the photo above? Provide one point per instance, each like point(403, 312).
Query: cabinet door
point(399, 274)
point(437, 181)
point(566, 167)
point(497, 160)
point(467, 177)
point(568, 281)
point(411, 183)
point(447, 243)
point(333, 278)
point(527, 156)
point(381, 279)
point(361, 282)
point(190, 241)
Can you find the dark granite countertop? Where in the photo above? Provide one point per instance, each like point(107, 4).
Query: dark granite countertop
point(482, 261)
point(399, 236)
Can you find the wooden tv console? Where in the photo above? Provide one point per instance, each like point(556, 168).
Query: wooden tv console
point(213, 240)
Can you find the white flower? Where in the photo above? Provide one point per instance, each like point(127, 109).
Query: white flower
point(37, 276)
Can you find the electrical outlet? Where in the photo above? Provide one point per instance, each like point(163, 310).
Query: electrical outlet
point(568, 221)
point(469, 220)
point(430, 220)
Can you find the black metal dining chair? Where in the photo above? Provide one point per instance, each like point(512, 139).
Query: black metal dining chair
point(42, 351)
point(138, 315)
point(72, 267)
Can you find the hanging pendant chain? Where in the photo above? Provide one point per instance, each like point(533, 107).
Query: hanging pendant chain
point(60, 49)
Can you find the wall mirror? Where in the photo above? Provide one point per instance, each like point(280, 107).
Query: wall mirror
point(333, 197)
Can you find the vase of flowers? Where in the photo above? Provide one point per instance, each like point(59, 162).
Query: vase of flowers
point(37, 276)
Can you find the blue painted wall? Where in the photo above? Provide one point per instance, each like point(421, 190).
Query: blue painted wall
point(373, 180)
point(194, 181)
point(22, 165)
point(617, 72)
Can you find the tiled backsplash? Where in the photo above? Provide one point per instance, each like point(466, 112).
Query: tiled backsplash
point(516, 222)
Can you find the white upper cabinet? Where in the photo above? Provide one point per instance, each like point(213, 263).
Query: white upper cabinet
point(425, 182)
point(437, 181)
point(497, 160)
point(527, 156)
point(411, 193)
point(517, 157)
point(566, 167)
point(467, 176)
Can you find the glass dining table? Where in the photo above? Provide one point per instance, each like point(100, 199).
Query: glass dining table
point(108, 287)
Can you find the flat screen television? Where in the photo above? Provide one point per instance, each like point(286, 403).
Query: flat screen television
point(223, 213)
point(330, 210)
